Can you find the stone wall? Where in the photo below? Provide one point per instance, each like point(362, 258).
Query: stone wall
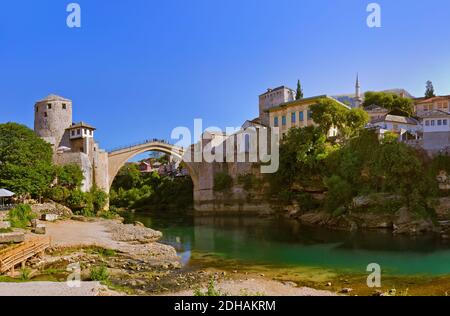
point(80, 159)
point(434, 142)
point(52, 116)
point(234, 200)
point(100, 162)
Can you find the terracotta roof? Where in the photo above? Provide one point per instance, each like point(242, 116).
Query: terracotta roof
point(433, 113)
point(396, 119)
point(431, 100)
point(80, 125)
point(375, 108)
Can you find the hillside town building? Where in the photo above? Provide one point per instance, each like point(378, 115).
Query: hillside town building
point(297, 114)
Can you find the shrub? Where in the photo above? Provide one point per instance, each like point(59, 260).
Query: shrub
point(21, 216)
point(99, 199)
point(307, 202)
point(210, 291)
point(58, 194)
point(222, 182)
point(248, 181)
point(340, 193)
point(99, 273)
point(25, 274)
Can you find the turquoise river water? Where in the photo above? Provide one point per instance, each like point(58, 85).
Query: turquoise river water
point(286, 243)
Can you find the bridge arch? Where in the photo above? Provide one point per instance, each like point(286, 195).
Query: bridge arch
point(118, 158)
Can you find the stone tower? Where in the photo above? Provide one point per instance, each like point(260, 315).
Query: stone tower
point(52, 116)
point(358, 98)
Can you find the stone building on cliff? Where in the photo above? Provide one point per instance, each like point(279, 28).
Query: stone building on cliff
point(73, 143)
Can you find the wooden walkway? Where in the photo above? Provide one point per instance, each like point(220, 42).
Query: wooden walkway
point(19, 254)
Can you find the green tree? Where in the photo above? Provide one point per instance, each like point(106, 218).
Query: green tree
point(389, 101)
point(222, 182)
point(128, 177)
point(429, 92)
point(340, 193)
point(99, 199)
point(299, 94)
point(356, 120)
point(25, 161)
point(302, 153)
point(69, 176)
point(328, 113)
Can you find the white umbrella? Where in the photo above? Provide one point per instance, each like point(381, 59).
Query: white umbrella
point(5, 194)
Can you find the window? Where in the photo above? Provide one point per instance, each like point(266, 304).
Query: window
point(293, 117)
point(395, 127)
point(433, 122)
point(302, 118)
point(439, 122)
point(275, 121)
point(283, 120)
point(444, 122)
point(49, 106)
point(73, 133)
point(64, 106)
point(45, 114)
point(91, 132)
point(427, 123)
point(78, 131)
point(309, 115)
point(37, 109)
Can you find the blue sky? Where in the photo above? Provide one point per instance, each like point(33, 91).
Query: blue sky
point(137, 69)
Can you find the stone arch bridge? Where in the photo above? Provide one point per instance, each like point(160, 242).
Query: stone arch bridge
point(118, 157)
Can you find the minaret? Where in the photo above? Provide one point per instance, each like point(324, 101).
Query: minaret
point(358, 98)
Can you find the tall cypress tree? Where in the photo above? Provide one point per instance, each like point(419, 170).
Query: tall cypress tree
point(429, 93)
point(299, 94)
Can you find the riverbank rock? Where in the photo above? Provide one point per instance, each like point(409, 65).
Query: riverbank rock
point(134, 233)
point(13, 237)
point(5, 225)
point(49, 217)
point(40, 229)
point(52, 208)
point(407, 223)
point(443, 208)
point(374, 200)
point(401, 222)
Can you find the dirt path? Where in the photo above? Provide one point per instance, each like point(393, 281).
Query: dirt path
point(260, 287)
point(54, 289)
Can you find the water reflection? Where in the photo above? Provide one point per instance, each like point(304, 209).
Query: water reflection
point(288, 243)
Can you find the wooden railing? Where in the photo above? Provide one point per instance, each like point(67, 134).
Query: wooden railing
point(12, 256)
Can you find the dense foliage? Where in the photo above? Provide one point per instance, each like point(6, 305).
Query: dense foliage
point(144, 191)
point(25, 161)
point(328, 113)
point(222, 182)
point(299, 92)
point(21, 216)
point(429, 90)
point(26, 168)
point(389, 101)
point(361, 165)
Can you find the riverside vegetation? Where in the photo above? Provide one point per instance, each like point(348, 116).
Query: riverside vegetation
point(27, 169)
point(356, 172)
